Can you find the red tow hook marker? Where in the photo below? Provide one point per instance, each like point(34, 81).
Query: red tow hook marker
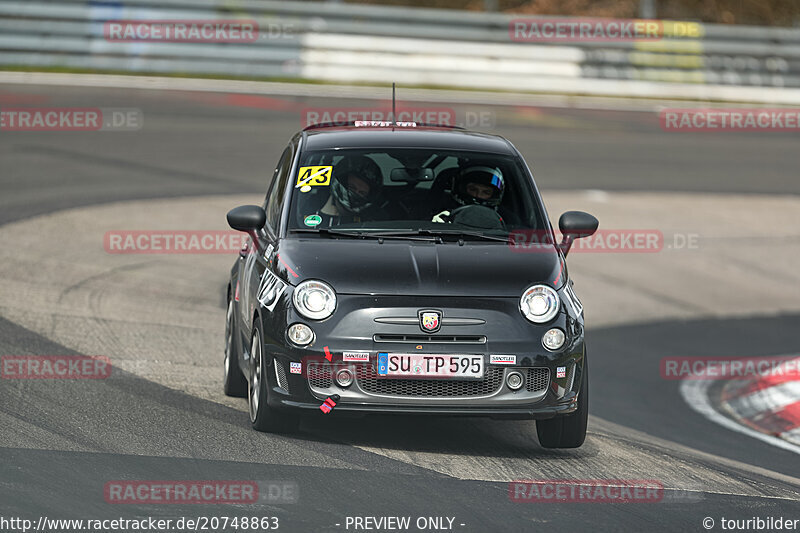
point(329, 403)
point(328, 355)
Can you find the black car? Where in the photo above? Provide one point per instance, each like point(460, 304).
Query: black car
point(385, 274)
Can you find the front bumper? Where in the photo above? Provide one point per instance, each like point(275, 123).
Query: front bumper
point(344, 409)
point(549, 397)
point(552, 379)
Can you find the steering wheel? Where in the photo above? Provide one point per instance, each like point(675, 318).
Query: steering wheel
point(477, 216)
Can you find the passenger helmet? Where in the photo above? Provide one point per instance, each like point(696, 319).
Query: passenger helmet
point(366, 170)
point(481, 175)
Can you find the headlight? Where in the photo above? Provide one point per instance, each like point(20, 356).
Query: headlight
point(553, 339)
point(314, 299)
point(300, 334)
point(344, 378)
point(514, 380)
point(539, 304)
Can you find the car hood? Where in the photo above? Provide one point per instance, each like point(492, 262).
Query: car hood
point(414, 268)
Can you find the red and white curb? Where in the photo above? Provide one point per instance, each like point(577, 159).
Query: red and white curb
point(766, 407)
point(770, 403)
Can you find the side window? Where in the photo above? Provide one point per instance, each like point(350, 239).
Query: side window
point(277, 190)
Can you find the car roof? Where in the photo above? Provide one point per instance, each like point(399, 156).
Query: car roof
point(447, 138)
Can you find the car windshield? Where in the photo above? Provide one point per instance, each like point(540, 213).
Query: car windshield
point(412, 190)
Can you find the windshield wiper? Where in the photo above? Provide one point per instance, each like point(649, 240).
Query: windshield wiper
point(435, 235)
point(405, 234)
point(414, 236)
point(462, 233)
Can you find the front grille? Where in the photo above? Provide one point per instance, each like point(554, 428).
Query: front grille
point(571, 376)
point(280, 375)
point(538, 379)
point(320, 376)
point(426, 388)
point(414, 321)
point(435, 339)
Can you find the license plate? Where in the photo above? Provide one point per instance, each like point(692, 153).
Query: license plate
point(417, 365)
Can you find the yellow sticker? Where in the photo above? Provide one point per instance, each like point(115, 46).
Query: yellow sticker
point(312, 176)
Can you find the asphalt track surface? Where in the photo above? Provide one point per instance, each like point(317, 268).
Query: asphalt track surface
point(61, 441)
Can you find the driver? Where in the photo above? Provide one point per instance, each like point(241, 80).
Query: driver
point(475, 185)
point(355, 191)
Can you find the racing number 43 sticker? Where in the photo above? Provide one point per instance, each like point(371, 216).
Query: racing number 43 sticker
point(308, 177)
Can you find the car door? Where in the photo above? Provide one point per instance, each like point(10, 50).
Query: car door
point(257, 260)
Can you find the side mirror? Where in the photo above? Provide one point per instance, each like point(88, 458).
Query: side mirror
point(574, 225)
point(248, 218)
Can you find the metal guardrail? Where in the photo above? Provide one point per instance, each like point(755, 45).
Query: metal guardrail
point(357, 43)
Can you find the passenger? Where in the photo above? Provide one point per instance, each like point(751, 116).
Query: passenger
point(355, 193)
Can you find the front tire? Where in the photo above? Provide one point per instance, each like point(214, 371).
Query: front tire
point(262, 416)
point(234, 382)
point(567, 431)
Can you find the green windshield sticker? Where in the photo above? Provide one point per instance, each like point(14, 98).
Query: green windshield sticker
point(312, 220)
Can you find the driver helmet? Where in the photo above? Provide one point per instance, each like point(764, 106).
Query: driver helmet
point(356, 183)
point(479, 184)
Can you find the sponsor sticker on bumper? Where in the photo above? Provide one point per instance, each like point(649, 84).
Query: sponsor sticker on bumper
point(355, 356)
point(503, 359)
point(295, 368)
